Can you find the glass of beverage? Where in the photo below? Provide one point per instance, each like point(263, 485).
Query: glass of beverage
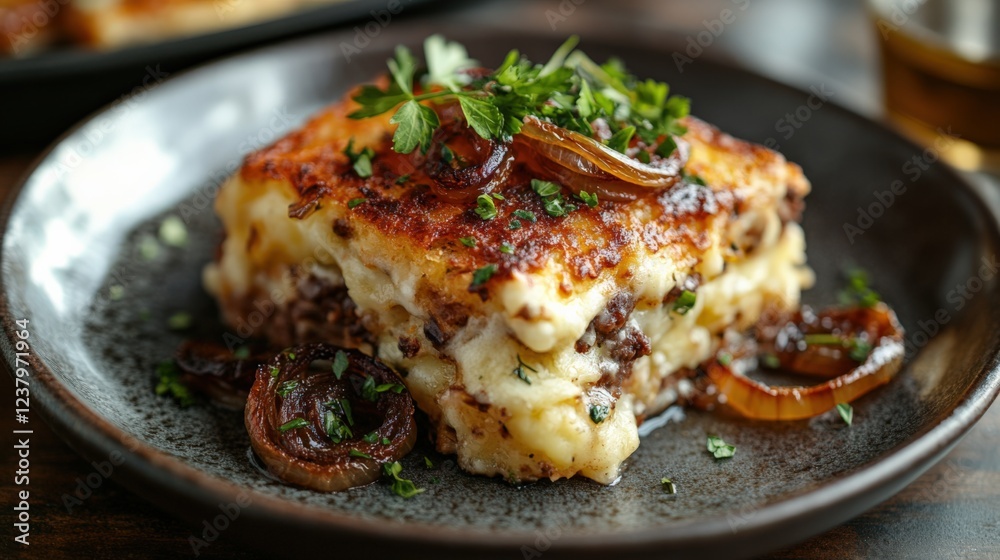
point(941, 70)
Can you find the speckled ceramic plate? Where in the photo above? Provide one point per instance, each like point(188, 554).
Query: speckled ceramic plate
point(77, 227)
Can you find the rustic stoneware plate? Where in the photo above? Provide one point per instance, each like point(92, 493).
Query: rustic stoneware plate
point(77, 227)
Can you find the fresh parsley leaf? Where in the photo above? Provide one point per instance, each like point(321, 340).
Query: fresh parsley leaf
point(482, 275)
point(293, 424)
point(599, 412)
point(482, 115)
point(179, 321)
point(719, 448)
point(525, 215)
point(485, 207)
point(557, 206)
point(363, 166)
point(335, 428)
point(402, 179)
point(506, 248)
point(370, 437)
point(428, 463)
point(692, 178)
point(368, 391)
point(275, 371)
point(620, 140)
point(340, 363)
point(857, 291)
point(358, 454)
point(170, 384)
point(287, 387)
point(770, 361)
point(590, 199)
point(859, 350)
point(545, 188)
point(846, 412)
point(445, 61)
point(519, 370)
point(666, 147)
point(416, 127)
point(668, 485)
point(685, 302)
point(355, 202)
point(515, 224)
point(724, 358)
point(400, 486)
point(374, 101)
point(468, 241)
point(394, 387)
point(402, 68)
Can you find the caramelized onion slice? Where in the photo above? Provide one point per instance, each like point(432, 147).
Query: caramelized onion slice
point(214, 370)
point(756, 400)
point(584, 155)
point(482, 165)
point(290, 433)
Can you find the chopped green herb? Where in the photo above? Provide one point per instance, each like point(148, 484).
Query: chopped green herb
point(173, 232)
point(859, 350)
point(724, 358)
point(340, 363)
point(666, 147)
point(170, 384)
point(291, 355)
point(370, 437)
point(394, 387)
point(368, 391)
point(857, 291)
point(685, 302)
point(402, 179)
point(545, 188)
point(345, 407)
point(386, 441)
point(358, 454)
point(149, 248)
point(720, 449)
point(116, 292)
point(468, 241)
point(557, 206)
point(846, 412)
point(692, 178)
point(361, 161)
point(482, 275)
point(524, 215)
point(293, 424)
point(498, 196)
point(589, 199)
point(519, 370)
point(506, 248)
point(355, 202)
point(179, 321)
point(620, 140)
point(242, 353)
point(668, 486)
point(643, 156)
point(570, 91)
point(823, 339)
point(485, 207)
point(770, 361)
point(287, 387)
point(515, 224)
point(598, 412)
point(335, 427)
point(447, 155)
point(275, 371)
point(428, 463)
point(400, 486)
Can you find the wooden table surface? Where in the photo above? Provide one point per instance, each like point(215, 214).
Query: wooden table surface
point(952, 511)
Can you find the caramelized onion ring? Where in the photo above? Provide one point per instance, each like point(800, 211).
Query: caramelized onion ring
point(307, 455)
point(756, 400)
point(488, 162)
point(584, 155)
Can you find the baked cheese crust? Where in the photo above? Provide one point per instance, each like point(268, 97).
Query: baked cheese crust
point(584, 301)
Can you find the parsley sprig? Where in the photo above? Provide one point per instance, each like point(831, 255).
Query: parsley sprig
point(570, 91)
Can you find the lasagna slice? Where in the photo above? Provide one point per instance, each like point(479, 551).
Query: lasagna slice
point(536, 329)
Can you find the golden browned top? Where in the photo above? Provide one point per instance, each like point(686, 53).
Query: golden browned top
point(400, 201)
